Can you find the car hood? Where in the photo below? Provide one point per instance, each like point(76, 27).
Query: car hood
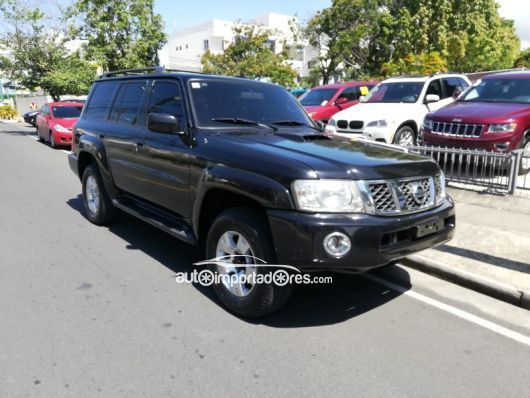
point(368, 112)
point(312, 108)
point(480, 112)
point(283, 155)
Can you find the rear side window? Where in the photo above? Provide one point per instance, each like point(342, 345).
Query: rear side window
point(453, 83)
point(100, 100)
point(166, 98)
point(128, 101)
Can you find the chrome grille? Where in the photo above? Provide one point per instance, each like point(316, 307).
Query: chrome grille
point(402, 196)
point(410, 189)
point(457, 129)
point(382, 197)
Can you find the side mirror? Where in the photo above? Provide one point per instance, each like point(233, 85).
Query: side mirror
point(163, 123)
point(430, 98)
point(341, 101)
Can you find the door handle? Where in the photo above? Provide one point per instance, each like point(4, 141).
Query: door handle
point(138, 146)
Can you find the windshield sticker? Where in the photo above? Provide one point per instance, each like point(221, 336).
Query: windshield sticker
point(195, 85)
point(323, 103)
point(364, 90)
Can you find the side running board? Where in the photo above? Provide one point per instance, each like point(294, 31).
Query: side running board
point(158, 218)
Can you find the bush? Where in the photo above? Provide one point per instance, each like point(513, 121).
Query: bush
point(8, 112)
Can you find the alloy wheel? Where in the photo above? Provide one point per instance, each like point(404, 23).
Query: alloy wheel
point(238, 259)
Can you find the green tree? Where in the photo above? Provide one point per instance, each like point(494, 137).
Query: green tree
point(36, 55)
point(250, 56)
point(523, 60)
point(120, 33)
point(350, 35)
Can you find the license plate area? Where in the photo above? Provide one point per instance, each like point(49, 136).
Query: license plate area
point(428, 228)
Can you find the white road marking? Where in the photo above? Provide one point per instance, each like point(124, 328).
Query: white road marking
point(34, 137)
point(66, 151)
point(453, 310)
point(62, 150)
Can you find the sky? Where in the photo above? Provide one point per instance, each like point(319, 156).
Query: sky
point(181, 14)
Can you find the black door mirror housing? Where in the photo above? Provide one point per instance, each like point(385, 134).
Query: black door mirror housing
point(163, 123)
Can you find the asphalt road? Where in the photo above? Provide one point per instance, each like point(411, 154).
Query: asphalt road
point(90, 311)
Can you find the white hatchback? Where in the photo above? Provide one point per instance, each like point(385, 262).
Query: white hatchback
point(393, 110)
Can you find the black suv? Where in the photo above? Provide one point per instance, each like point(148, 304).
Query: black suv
point(239, 168)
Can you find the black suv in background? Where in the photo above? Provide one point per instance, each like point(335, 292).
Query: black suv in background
point(239, 168)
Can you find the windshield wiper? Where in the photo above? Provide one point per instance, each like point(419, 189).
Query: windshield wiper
point(237, 120)
point(294, 123)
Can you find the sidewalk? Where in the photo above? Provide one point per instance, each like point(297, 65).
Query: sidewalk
point(491, 248)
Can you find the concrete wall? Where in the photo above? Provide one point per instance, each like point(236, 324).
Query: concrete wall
point(23, 103)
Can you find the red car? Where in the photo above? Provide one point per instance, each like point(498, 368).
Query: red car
point(493, 115)
point(322, 102)
point(55, 122)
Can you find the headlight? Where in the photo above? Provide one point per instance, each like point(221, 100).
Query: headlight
point(427, 123)
point(61, 129)
point(439, 183)
point(330, 196)
point(378, 123)
point(502, 128)
point(332, 122)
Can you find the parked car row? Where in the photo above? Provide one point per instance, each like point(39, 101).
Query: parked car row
point(437, 110)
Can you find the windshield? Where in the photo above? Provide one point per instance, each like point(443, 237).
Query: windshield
point(215, 100)
point(499, 90)
point(66, 112)
point(318, 97)
point(397, 92)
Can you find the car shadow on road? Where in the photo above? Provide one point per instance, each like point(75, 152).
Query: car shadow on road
point(348, 296)
point(14, 131)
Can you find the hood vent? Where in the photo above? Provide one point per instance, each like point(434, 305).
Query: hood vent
point(303, 137)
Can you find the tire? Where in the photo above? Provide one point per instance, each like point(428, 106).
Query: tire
point(98, 206)
point(259, 299)
point(39, 137)
point(405, 136)
point(53, 144)
point(524, 167)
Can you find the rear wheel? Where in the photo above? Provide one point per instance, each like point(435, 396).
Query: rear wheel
point(98, 206)
point(240, 236)
point(405, 136)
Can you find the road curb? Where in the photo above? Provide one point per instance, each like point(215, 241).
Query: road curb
point(499, 290)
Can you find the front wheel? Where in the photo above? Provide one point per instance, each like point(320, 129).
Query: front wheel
point(524, 168)
point(53, 144)
point(39, 137)
point(405, 136)
point(98, 206)
point(241, 238)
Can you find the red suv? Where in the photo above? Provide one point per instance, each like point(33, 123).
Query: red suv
point(494, 115)
point(55, 122)
point(322, 102)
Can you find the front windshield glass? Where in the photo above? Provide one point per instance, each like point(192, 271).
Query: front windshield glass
point(499, 90)
point(245, 100)
point(396, 92)
point(66, 112)
point(318, 97)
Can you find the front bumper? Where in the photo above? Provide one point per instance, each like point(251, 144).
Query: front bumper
point(72, 161)
point(487, 142)
point(376, 240)
point(62, 138)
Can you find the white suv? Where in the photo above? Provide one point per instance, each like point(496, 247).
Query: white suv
point(393, 110)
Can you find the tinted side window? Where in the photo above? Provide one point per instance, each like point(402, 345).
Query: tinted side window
point(100, 100)
point(128, 102)
point(349, 93)
point(435, 88)
point(166, 98)
point(451, 84)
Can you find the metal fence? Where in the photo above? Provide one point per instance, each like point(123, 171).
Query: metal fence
point(499, 172)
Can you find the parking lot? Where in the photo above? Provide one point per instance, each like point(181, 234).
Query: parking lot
point(95, 311)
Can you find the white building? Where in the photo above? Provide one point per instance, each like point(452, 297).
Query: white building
point(185, 47)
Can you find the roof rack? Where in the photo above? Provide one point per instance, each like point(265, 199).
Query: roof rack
point(141, 71)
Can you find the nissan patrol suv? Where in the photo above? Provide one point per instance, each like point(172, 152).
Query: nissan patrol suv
point(238, 168)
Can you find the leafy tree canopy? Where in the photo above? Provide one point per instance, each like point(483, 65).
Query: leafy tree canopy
point(120, 33)
point(37, 57)
point(250, 56)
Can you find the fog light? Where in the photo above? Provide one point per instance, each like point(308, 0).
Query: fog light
point(337, 244)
